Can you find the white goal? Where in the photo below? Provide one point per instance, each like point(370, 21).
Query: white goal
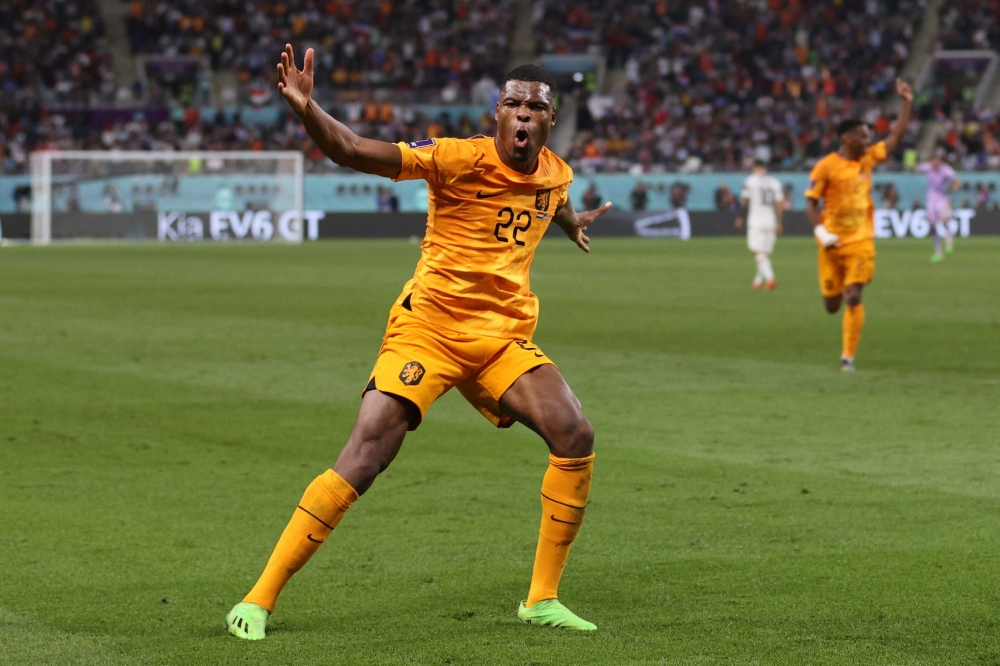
point(167, 195)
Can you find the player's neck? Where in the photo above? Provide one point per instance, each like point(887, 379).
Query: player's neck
point(848, 155)
point(526, 167)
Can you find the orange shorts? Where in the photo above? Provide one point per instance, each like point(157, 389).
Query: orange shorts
point(421, 362)
point(853, 263)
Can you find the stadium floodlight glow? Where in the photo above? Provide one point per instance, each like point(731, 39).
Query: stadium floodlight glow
point(167, 195)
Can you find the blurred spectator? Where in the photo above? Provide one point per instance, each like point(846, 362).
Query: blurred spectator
point(724, 199)
point(982, 196)
point(591, 197)
point(73, 199)
point(386, 200)
point(639, 197)
point(890, 197)
point(679, 195)
point(112, 202)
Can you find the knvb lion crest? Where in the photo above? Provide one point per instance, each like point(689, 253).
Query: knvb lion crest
point(542, 200)
point(412, 373)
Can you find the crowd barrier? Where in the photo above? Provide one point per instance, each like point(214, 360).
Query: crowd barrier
point(336, 193)
point(264, 226)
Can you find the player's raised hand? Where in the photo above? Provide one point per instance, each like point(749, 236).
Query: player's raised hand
point(904, 90)
point(577, 232)
point(295, 84)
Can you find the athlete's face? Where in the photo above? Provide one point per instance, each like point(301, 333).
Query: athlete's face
point(857, 140)
point(525, 115)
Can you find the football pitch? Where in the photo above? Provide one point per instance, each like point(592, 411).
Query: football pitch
point(162, 409)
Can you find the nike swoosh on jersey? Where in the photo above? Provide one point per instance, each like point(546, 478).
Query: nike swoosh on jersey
point(310, 537)
point(480, 195)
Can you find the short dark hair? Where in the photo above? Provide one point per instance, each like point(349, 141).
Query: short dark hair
point(529, 73)
point(846, 126)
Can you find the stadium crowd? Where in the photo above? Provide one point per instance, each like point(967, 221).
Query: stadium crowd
point(720, 84)
point(695, 86)
point(413, 45)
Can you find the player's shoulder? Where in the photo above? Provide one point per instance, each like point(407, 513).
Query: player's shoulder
point(448, 144)
point(828, 160)
point(554, 168)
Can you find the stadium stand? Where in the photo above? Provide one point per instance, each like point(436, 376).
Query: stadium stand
point(688, 86)
point(52, 55)
point(771, 79)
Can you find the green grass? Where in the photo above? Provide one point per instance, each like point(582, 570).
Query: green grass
point(163, 407)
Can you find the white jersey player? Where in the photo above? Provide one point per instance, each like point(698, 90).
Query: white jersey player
point(761, 203)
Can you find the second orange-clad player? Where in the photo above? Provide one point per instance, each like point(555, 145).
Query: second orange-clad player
point(464, 321)
point(845, 228)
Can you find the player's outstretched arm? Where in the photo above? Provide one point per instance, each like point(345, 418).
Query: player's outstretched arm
point(899, 129)
point(575, 224)
point(334, 138)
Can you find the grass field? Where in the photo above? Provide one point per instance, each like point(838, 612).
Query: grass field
point(163, 407)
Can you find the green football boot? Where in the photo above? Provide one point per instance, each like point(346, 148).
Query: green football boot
point(937, 258)
point(247, 621)
point(551, 613)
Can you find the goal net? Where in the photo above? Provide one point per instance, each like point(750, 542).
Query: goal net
point(166, 196)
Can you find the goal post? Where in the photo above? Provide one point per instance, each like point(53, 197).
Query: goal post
point(167, 195)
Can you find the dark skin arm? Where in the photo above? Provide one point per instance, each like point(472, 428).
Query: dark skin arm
point(812, 212)
point(899, 129)
point(335, 139)
point(575, 224)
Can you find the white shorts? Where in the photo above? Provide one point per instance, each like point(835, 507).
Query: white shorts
point(761, 240)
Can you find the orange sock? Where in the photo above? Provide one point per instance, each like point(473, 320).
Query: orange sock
point(565, 489)
point(321, 508)
point(854, 321)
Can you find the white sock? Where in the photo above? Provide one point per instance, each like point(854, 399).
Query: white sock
point(764, 266)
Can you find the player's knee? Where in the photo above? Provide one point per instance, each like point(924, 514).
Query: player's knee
point(853, 299)
point(576, 440)
point(832, 305)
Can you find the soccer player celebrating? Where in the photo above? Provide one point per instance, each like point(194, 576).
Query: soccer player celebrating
point(761, 203)
point(941, 181)
point(845, 229)
point(465, 320)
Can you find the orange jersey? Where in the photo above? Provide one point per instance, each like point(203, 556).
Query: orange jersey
point(846, 188)
point(484, 222)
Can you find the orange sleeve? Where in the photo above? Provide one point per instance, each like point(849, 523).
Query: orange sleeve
point(877, 153)
point(817, 181)
point(433, 160)
point(562, 196)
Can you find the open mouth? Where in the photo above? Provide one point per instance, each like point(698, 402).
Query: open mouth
point(521, 138)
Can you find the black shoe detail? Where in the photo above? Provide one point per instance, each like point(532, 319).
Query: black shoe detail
point(316, 517)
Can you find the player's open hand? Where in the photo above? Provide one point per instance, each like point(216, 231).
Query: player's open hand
point(578, 232)
point(904, 90)
point(295, 84)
